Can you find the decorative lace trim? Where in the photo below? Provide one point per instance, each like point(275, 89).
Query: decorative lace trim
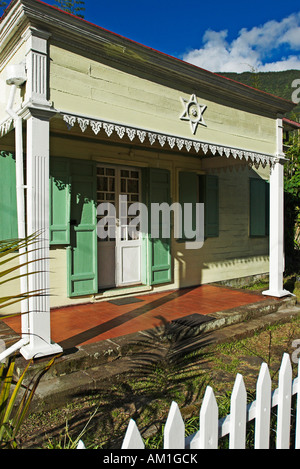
point(6, 127)
point(145, 136)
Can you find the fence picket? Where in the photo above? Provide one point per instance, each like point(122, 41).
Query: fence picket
point(81, 445)
point(174, 432)
point(238, 414)
point(208, 436)
point(234, 424)
point(133, 439)
point(284, 403)
point(263, 408)
point(297, 436)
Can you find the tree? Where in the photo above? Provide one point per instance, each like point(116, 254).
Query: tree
point(75, 7)
point(255, 81)
point(2, 6)
point(292, 204)
point(15, 395)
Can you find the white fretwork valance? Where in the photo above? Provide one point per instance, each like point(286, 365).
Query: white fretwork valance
point(173, 142)
point(6, 127)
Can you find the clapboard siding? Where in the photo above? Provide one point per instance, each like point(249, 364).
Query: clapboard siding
point(79, 84)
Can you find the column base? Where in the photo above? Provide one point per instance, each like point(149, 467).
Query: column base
point(29, 352)
point(277, 293)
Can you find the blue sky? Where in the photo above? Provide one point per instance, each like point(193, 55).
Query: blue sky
point(218, 36)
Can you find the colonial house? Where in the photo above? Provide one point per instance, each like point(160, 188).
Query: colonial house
point(91, 119)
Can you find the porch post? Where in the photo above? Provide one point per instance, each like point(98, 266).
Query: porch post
point(38, 222)
point(276, 236)
point(37, 113)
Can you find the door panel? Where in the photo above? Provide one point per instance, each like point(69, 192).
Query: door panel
point(123, 266)
point(106, 264)
point(82, 256)
point(60, 201)
point(128, 242)
point(160, 247)
point(106, 193)
point(129, 259)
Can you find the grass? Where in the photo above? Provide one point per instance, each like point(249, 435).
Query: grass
point(291, 283)
point(146, 396)
point(161, 374)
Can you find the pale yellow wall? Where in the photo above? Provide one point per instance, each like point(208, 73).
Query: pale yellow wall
point(83, 86)
point(58, 277)
point(11, 288)
point(233, 253)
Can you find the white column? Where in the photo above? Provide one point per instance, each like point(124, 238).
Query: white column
point(276, 236)
point(37, 113)
point(39, 329)
point(37, 63)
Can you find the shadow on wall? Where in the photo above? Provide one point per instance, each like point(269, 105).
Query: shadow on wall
point(234, 251)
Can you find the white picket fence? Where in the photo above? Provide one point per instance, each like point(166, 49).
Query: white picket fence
point(211, 428)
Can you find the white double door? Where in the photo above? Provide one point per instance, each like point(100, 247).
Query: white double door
point(119, 251)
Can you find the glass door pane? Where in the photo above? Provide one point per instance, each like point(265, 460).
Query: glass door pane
point(106, 193)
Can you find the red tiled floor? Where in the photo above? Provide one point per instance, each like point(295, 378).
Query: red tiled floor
point(77, 325)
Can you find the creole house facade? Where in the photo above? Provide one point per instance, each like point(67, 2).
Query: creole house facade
point(91, 120)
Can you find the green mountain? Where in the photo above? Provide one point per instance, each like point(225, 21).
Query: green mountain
point(276, 83)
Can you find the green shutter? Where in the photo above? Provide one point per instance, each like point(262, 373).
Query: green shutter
point(60, 201)
point(8, 197)
point(210, 194)
point(159, 247)
point(188, 194)
point(82, 254)
point(259, 202)
point(267, 187)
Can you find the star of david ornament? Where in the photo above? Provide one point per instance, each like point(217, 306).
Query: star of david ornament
point(193, 112)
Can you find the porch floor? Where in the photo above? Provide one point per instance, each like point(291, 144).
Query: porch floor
point(72, 326)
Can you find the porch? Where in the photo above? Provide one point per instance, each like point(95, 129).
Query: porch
point(206, 307)
point(105, 340)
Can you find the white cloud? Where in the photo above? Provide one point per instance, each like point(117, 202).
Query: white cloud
point(252, 49)
point(292, 37)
